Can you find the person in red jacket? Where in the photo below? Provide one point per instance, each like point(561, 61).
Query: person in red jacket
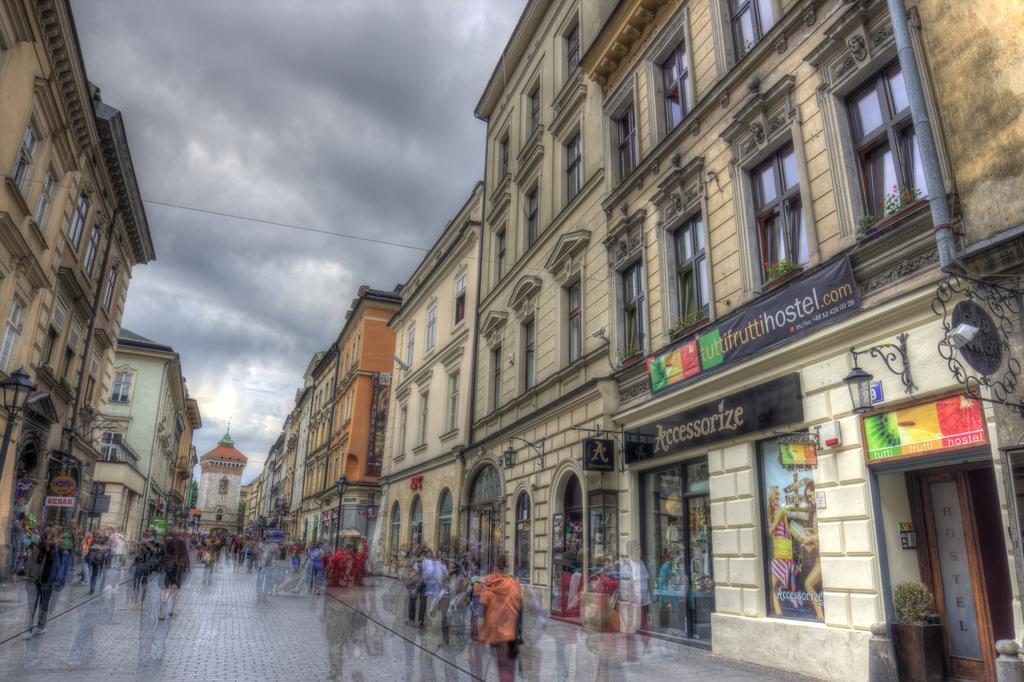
point(501, 597)
point(359, 564)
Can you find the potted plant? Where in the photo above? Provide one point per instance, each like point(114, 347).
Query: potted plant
point(866, 224)
point(777, 272)
point(918, 636)
point(629, 354)
point(685, 322)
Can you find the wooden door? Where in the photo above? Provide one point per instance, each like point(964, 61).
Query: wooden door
point(952, 567)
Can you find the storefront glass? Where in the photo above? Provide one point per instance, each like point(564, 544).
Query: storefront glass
point(522, 538)
point(567, 552)
point(677, 549)
point(603, 528)
point(790, 522)
point(444, 525)
point(396, 529)
point(416, 522)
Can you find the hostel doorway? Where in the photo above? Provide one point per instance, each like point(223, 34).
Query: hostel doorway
point(963, 560)
point(567, 552)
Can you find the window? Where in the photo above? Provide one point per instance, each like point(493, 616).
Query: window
point(90, 382)
point(691, 272)
point(78, 221)
point(522, 538)
point(572, 50)
point(410, 346)
point(43, 202)
point(431, 327)
point(674, 77)
point(460, 298)
point(503, 157)
point(403, 421)
point(632, 289)
point(496, 376)
point(529, 355)
point(421, 435)
point(110, 446)
point(108, 296)
point(23, 161)
point(396, 528)
point(890, 162)
point(90, 251)
point(453, 401)
point(534, 108)
point(500, 248)
point(121, 392)
point(416, 522)
point(626, 125)
point(532, 218)
point(573, 168)
point(751, 19)
point(444, 525)
point(74, 337)
point(575, 323)
point(220, 513)
point(11, 332)
point(780, 221)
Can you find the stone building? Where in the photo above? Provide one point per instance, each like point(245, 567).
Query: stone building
point(765, 180)
point(146, 432)
point(428, 419)
point(69, 193)
point(220, 484)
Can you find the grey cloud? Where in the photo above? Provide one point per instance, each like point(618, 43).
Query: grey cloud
point(348, 116)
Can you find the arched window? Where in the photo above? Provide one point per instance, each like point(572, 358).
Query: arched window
point(416, 522)
point(444, 525)
point(220, 513)
point(396, 528)
point(567, 551)
point(522, 556)
point(484, 528)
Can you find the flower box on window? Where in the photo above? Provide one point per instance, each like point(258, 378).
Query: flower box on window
point(872, 225)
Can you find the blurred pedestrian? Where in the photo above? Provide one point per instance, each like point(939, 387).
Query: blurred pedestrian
point(175, 565)
point(501, 598)
point(49, 570)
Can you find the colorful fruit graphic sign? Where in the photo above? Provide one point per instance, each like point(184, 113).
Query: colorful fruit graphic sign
point(797, 455)
point(948, 424)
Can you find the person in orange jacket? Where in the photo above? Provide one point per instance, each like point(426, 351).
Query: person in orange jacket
point(501, 597)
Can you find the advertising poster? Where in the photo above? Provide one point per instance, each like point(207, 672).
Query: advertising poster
point(948, 424)
point(805, 305)
point(790, 513)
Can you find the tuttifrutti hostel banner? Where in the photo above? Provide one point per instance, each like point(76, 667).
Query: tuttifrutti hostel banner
point(822, 297)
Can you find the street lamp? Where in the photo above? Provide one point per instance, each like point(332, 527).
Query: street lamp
point(510, 453)
point(893, 356)
point(859, 383)
point(14, 391)
point(342, 486)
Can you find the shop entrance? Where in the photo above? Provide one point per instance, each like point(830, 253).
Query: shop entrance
point(567, 553)
point(963, 559)
point(677, 549)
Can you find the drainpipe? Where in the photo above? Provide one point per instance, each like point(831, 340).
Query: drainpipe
point(923, 133)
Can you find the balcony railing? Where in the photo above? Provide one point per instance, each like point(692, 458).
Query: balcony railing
point(118, 452)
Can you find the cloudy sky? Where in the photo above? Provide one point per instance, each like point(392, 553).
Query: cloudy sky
point(351, 116)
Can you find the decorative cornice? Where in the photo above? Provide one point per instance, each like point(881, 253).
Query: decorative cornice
point(622, 32)
point(524, 295)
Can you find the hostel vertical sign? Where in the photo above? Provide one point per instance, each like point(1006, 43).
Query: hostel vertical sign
point(378, 423)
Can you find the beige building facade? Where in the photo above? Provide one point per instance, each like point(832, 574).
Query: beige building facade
point(72, 226)
point(428, 418)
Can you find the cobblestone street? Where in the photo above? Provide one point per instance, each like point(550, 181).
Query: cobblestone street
point(222, 630)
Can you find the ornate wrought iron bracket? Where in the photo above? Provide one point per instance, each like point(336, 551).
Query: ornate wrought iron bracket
point(894, 356)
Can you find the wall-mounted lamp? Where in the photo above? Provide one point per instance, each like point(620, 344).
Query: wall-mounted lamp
point(509, 455)
point(894, 355)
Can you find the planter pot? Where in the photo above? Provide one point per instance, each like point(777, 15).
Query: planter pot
point(782, 279)
point(920, 652)
point(632, 360)
point(688, 329)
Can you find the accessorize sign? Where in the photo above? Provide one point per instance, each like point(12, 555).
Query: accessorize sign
point(769, 405)
point(807, 304)
point(951, 423)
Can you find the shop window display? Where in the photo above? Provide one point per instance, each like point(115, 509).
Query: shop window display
point(567, 553)
point(790, 524)
point(677, 549)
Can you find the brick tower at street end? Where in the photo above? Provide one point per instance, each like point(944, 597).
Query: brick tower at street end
point(220, 485)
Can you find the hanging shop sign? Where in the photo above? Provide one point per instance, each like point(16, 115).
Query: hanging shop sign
point(952, 423)
point(63, 486)
point(598, 454)
point(828, 294)
point(797, 454)
point(769, 405)
point(378, 423)
point(60, 501)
